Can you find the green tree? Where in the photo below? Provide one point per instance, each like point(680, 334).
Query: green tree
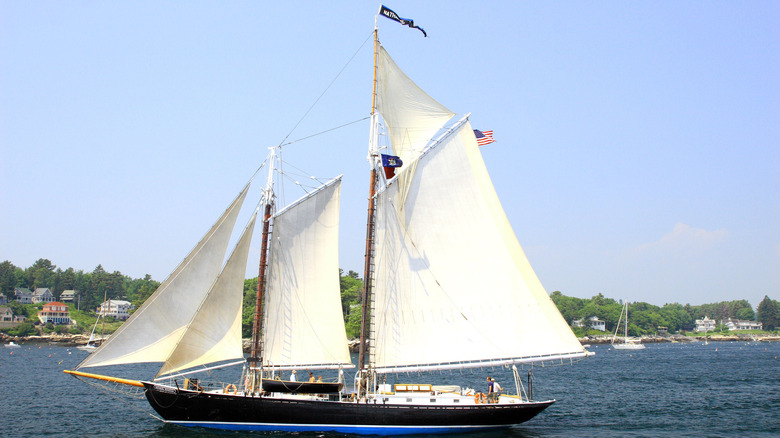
point(768, 313)
point(746, 313)
point(41, 274)
point(7, 278)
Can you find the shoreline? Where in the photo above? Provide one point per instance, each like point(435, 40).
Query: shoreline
point(737, 337)
point(81, 339)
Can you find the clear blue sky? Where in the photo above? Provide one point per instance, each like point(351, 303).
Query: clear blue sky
point(638, 149)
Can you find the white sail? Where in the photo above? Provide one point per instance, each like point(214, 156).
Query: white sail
point(453, 286)
point(411, 116)
point(214, 334)
point(151, 333)
point(304, 324)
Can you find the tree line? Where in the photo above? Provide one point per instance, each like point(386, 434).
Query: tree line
point(645, 318)
point(92, 287)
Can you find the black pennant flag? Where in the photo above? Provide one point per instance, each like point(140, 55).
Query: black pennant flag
point(405, 21)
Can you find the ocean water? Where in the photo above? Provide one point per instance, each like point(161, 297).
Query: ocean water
point(667, 390)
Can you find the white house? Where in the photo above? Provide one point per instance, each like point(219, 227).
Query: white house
point(42, 295)
point(119, 309)
point(705, 325)
point(67, 296)
point(593, 322)
point(740, 324)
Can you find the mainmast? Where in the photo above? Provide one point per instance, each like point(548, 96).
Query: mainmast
point(373, 154)
point(255, 360)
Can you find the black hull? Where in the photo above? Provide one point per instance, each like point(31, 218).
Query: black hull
point(285, 386)
point(238, 412)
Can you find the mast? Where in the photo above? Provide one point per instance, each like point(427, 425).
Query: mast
point(365, 321)
point(255, 361)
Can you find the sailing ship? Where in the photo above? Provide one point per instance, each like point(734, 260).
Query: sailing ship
point(446, 286)
point(625, 343)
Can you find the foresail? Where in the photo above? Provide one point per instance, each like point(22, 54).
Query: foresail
point(412, 117)
point(304, 326)
point(453, 286)
point(151, 333)
point(214, 334)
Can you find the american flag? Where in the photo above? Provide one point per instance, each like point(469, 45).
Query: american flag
point(484, 137)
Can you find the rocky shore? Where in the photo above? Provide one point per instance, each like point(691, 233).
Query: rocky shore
point(73, 340)
point(606, 339)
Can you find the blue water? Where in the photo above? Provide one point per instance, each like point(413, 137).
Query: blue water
point(716, 390)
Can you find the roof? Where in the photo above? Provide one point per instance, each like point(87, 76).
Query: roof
point(55, 303)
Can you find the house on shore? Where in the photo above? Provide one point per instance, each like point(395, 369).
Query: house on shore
point(3, 299)
point(119, 309)
point(23, 295)
point(55, 313)
point(741, 324)
point(705, 325)
point(67, 296)
point(593, 322)
point(7, 319)
point(42, 295)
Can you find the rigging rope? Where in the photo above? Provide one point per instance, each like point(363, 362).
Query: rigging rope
point(326, 89)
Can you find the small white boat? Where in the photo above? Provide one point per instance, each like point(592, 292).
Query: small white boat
point(11, 344)
point(627, 344)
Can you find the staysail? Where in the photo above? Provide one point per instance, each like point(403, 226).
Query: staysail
point(214, 334)
point(152, 332)
point(453, 285)
point(303, 325)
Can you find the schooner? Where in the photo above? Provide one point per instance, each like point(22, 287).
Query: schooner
point(446, 286)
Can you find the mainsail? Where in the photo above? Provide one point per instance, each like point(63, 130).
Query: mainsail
point(153, 331)
point(304, 326)
point(453, 286)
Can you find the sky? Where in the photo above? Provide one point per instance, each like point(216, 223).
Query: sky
point(637, 153)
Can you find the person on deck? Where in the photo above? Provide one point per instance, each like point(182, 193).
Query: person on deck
point(292, 376)
point(490, 393)
point(311, 377)
point(319, 379)
point(496, 390)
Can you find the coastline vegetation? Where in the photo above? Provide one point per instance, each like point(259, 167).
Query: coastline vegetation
point(91, 287)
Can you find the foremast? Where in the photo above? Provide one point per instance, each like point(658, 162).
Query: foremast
point(365, 367)
point(255, 360)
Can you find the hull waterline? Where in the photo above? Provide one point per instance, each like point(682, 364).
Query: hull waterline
point(248, 413)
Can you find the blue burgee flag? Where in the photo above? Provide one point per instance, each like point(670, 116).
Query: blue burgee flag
point(385, 11)
point(390, 162)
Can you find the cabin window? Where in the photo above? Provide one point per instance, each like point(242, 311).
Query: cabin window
point(409, 399)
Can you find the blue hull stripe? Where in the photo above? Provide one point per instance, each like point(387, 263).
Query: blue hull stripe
point(342, 428)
